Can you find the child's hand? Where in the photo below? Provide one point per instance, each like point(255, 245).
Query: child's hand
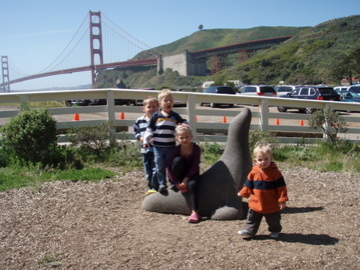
point(282, 205)
point(181, 186)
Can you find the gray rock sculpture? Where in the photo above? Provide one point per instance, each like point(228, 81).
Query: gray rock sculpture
point(219, 185)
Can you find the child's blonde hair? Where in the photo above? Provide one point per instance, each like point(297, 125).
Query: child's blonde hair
point(180, 128)
point(164, 93)
point(261, 149)
point(150, 100)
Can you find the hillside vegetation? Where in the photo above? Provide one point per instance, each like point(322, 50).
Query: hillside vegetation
point(308, 57)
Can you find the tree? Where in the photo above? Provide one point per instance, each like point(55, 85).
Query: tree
point(201, 27)
point(347, 66)
point(329, 121)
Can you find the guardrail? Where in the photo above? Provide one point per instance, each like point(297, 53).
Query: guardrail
point(208, 123)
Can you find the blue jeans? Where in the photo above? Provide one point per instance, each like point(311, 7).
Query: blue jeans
point(150, 170)
point(162, 155)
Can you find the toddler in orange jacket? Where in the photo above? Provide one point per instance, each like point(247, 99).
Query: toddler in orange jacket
point(266, 188)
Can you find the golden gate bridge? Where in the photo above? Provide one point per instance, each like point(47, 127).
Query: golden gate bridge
point(105, 52)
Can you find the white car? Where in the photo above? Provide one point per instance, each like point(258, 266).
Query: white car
point(260, 90)
point(341, 88)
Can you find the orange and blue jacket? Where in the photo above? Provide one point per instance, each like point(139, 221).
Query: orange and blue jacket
point(266, 189)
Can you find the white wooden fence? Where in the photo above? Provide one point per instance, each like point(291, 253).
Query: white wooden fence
point(208, 123)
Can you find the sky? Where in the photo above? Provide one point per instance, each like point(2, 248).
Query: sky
point(34, 32)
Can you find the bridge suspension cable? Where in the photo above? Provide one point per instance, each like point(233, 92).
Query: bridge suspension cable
point(47, 69)
point(145, 47)
point(78, 30)
point(16, 69)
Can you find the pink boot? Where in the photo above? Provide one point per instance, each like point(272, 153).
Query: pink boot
point(194, 218)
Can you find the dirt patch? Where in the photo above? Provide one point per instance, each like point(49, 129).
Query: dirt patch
point(67, 225)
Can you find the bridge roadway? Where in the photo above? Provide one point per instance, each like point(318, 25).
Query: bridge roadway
point(229, 49)
point(137, 62)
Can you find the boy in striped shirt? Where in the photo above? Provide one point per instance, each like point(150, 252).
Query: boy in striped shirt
point(161, 130)
point(150, 106)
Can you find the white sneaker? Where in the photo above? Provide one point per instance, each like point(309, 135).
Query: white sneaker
point(245, 234)
point(274, 235)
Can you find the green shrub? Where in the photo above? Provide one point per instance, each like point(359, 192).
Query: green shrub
point(92, 140)
point(330, 118)
point(31, 138)
point(210, 152)
point(257, 136)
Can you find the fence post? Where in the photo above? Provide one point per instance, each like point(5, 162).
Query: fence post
point(24, 99)
point(111, 111)
point(190, 104)
point(264, 115)
point(327, 111)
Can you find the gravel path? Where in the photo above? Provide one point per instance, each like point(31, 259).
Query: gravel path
point(77, 225)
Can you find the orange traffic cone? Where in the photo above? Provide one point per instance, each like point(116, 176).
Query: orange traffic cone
point(277, 121)
point(301, 122)
point(122, 116)
point(76, 117)
point(224, 119)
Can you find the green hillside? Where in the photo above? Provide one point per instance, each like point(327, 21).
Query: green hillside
point(308, 58)
point(212, 38)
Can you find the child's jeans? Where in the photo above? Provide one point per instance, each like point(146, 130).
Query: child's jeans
point(150, 169)
point(254, 220)
point(162, 155)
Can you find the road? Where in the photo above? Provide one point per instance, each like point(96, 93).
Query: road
point(216, 119)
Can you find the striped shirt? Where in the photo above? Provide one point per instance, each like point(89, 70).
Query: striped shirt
point(139, 131)
point(162, 129)
point(266, 189)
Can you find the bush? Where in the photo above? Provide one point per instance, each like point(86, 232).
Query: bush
point(92, 139)
point(31, 138)
point(328, 118)
point(257, 136)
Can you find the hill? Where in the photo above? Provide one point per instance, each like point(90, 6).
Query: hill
point(212, 38)
point(308, 57)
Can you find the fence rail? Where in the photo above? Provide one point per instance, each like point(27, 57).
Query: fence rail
point(203, 120)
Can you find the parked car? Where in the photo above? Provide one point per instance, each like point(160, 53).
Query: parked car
point(218, 89)
point(341, 88)
point(260, 90)
point(283, 89)
point(95, 102)
point(354, 88)
point(310, 93)
point(350, 97)
point(347, 96)
point(80, 102)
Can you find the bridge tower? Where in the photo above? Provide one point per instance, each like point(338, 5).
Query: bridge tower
point(96, 48)
point(218, 62)
point(245, 55)
point(5, 73)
